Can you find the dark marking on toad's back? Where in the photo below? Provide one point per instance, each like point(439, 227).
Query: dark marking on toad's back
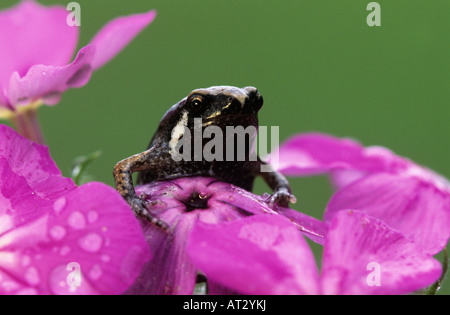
point(220, 106)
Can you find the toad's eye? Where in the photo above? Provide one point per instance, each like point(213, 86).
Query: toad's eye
point(196, 103)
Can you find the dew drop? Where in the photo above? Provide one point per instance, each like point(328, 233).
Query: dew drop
point(59, 204)
point(59, 284)
point(92, 216)
point(105, 258)
point(32, 276)
point(26, 260)
point(95, 273)
point(57, 232)
point(9, 285)
point(91, 242)
point(64, 250)
point(77, 221)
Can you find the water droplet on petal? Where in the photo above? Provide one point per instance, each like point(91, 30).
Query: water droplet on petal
point(9, 285)
point(91, 242)
point(60, 285)
point(64, 250)
point(26, 260)
point(105, 258)
point(32, 276)
point(92, 216)
point(59, 204)
point(57, 232)
point(96, 272)
point(77, 221)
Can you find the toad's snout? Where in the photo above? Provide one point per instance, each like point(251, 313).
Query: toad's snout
point(255, 98)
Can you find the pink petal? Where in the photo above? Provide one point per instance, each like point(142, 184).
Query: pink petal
point(261, 254)
point(31, 34)
point(32, 162)
point(170, 271)
point(91, 226)
point(115, 35)
point(412, 205)
point(49, 82)
point(315, 153)
point(3, 102)
point(46, 223)
point(363, 255)
point(247, 201)
point(310, 227)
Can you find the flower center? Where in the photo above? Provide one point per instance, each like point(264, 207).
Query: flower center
point(196, 201)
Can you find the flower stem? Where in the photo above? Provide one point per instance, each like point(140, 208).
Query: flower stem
point(27, 124)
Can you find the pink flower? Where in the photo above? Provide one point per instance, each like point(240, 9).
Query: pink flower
point(404, 195)
point(37, 45)
point(181, 203)
point(266, 254)
point(384, 223)
point(48, 226)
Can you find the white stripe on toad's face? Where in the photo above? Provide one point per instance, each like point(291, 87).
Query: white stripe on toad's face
point(178, 131)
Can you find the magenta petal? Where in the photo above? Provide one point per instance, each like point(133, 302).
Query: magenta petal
point(49, 82)
point(363, 255)
point(91, 228)
point(310, 227)
point(261, 254)
point(32, 161)
point(96, 229)
point(315, 153)
point(413, 206)
point(247, 201)
point(3, 102)
point(169, 271)
point(47, 224)
point(44, 38)
point(115, 35)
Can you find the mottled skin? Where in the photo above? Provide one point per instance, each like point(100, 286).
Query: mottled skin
point(219, 106)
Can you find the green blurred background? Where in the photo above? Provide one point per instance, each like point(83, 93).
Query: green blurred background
point(318, 64)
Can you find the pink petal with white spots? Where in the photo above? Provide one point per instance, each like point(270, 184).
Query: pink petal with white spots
point(47, 227)
point(91, 227)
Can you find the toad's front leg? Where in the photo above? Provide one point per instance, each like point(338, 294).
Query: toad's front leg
point(282, 194)
point(124, 184)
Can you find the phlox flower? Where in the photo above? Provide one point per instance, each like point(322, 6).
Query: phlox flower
point(181, 203)
point(406, 196)
point(57, 238)
point(37, 46)
point(387, 212)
